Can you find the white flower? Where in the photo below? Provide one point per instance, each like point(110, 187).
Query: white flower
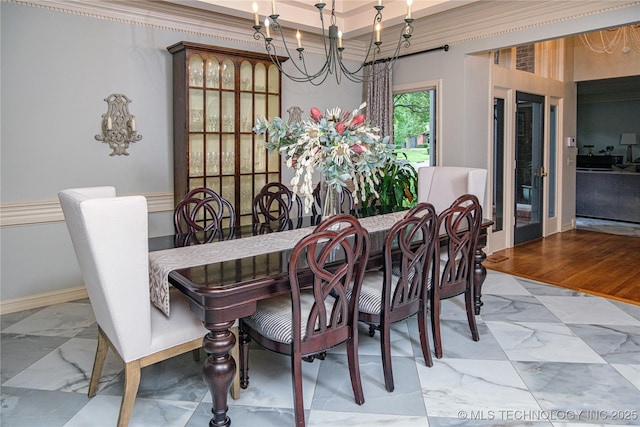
point(344, 146)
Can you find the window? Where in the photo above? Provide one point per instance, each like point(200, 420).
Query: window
point(414, 125)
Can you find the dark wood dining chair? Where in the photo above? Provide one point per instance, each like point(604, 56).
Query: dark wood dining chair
point(461, 223)
point(276, 204)
point(318, 314)
point(346, 201)
point(203, 216)
point(401, 288)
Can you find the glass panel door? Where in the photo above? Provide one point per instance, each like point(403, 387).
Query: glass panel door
point(497, 213)
point(529, 167)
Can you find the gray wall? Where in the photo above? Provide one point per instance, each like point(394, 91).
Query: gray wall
point(466, 93)
point(57, 68)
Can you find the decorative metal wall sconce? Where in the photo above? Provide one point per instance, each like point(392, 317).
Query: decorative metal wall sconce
point(118, 126)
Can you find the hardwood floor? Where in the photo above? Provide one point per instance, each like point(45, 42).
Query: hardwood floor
point(595, 263)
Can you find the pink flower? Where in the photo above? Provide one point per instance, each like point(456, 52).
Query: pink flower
point(316, 114)
point(359, 148)
point(340, 128)
point(357, 120)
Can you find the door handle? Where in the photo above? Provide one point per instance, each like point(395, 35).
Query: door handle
point(541, 172)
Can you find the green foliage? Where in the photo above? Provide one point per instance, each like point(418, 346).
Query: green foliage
point(410, 115)
point(398, 186)
point(414, 155)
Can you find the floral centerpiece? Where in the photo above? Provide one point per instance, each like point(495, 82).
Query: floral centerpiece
point(343, 146)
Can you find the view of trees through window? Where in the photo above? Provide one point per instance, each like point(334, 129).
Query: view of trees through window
point(411, 129)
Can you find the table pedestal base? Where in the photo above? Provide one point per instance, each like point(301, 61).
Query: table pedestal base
point(219, 369)
point(479, 275)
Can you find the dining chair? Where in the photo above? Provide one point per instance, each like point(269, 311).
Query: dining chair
point(461, 224)
point(324, 267)
point(202, 216)
point(442, 185)
point(276, 204)
point(110, 240)
point(401, 288)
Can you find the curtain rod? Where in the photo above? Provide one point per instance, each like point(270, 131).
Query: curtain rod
point(433, 49)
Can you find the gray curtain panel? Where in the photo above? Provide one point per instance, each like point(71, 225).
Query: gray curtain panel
point(380, 98)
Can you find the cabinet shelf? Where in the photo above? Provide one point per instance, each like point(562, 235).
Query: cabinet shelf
point(217, 95)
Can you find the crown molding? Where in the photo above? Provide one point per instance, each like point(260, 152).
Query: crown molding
point(183, 19)
point(46, 211)
point(467, 22)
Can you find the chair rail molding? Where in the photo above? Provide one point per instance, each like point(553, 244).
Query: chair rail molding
point(46, 211)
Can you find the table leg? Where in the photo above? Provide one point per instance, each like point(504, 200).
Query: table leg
point(219, 369)
point(479, 275)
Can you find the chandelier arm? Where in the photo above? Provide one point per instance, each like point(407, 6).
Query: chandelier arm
point(352, 75)
point(333, 63)
point(403, 42)
point(271, 51)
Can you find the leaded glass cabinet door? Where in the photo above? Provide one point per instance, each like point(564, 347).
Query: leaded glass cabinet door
point(218, 94)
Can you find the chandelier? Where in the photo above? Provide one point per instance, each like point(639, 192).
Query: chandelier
point(333, 47)
point(607, 41)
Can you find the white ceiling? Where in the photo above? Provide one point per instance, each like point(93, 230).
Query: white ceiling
point(353, 17)
point(437, 22)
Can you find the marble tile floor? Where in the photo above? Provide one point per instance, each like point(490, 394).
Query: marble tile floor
point(547, 356)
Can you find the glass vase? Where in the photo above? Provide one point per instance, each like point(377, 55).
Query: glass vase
point(331, 197)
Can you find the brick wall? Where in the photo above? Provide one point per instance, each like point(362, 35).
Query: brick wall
point(526, 58)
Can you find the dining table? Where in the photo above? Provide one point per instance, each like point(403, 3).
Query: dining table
point(248, 264)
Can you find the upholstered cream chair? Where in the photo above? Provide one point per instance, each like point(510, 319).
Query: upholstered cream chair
point(442, 185)
point(110, 239)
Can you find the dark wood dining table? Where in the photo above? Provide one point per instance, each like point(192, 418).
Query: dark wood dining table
point(222, 292)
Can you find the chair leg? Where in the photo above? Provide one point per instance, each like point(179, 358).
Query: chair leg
point(195, 353)
point(435, 326)
point(235, 353)
point(98, 363)
point(131, 384)
point(471, 318)
point(244, 358)
point(385, 350)
point(354, 366)
point(424, 335)
point(296, 379)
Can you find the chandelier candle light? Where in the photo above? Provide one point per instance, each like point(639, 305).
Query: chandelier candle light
point(343, 146)
point(333, 47)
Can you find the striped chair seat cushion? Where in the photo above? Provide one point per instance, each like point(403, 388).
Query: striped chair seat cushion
point(371, 292)
point(272, 318)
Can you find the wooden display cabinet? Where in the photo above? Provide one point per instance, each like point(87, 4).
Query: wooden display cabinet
point(217, 95)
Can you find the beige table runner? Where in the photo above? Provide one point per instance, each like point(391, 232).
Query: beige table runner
point(161, 263)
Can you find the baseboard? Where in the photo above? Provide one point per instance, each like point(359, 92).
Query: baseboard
point(42, 300)
point(570, 226)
